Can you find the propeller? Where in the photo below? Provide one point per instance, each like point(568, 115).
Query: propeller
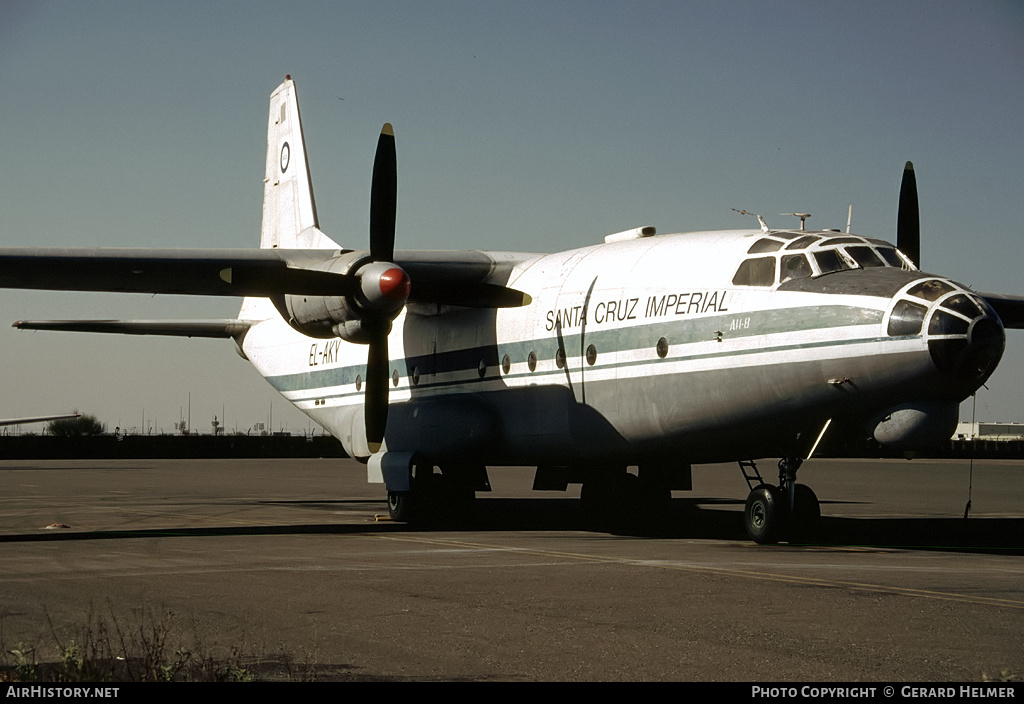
point(908, 219)
point(384, 285)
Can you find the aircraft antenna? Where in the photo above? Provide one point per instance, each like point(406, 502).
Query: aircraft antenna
point(803, 217)
point(764, 226)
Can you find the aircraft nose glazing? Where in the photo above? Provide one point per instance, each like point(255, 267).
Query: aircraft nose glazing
point(965, 336)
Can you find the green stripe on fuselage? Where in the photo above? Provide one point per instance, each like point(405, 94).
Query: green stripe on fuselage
point(621, 339)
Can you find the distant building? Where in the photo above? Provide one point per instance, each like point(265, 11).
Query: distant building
point(990, 431)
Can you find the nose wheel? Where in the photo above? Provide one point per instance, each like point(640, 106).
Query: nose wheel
point(789, 512)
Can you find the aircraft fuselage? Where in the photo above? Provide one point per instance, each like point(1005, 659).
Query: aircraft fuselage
point(649, 349)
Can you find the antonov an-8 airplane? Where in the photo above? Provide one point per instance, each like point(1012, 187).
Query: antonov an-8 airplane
point(643, 351)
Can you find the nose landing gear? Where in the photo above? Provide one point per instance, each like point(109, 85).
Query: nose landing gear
point(788, 512)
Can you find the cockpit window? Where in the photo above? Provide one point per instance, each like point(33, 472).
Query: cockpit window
point(802, 242)
point(795, 266)
point(764, 245)
point(756, 272)
point(865, 256)
point(828, 260)
point(891, 257)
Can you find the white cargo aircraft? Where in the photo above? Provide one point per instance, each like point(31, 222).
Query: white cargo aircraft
point(643, 351)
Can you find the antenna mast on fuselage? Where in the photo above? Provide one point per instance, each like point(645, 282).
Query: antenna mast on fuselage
point(803, 217)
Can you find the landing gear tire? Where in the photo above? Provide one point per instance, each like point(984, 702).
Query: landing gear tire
point(402, 506)
point(806, 513)
point(764, 516)
point(597, 502)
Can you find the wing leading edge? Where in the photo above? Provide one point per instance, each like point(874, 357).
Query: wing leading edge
point(225, 328)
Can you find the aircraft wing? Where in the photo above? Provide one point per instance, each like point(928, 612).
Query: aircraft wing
point(1010, 308)
point(209, 272)
point(229, 327)
point(454, 278)
point(37, 419)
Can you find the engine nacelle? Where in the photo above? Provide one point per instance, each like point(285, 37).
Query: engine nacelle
point(377, 293)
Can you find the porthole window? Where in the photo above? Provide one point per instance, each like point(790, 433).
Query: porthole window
point(531, 361)
point(415, 376)
point(359, 382)
point(591, 355)
point(394, 377)
point(481, 369)
point(506, 364)
point(560, 358)
point(663, 348)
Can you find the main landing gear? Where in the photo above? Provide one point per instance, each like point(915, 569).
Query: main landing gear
point(438, 498)
point(788, 512)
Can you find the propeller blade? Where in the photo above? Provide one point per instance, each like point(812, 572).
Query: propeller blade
point(377, 379)
point(908, 219)
point(383, 197)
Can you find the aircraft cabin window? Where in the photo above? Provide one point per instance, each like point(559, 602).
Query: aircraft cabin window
point(865, 256)
point(755, 272)
point(531, 361)
point(394, 377)
point(906, 319)
point(506, 364)
point(795, 266)
point(560, 358)
point(591, 355)
point(662, 348)
point(359, 382)
point(764, 245)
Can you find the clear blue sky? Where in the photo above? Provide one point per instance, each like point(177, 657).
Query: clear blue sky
point(524, 125)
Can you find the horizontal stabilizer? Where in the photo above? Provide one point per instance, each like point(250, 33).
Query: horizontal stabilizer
point(228, 327)
point(1010, 309)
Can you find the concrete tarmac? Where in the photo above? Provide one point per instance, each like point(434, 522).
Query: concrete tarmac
point(287, 564)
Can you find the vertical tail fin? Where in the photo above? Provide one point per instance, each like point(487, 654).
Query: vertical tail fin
point(289, 210)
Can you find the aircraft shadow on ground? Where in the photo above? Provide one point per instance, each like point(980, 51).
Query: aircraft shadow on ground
point(721, 519)
point(697, 519)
